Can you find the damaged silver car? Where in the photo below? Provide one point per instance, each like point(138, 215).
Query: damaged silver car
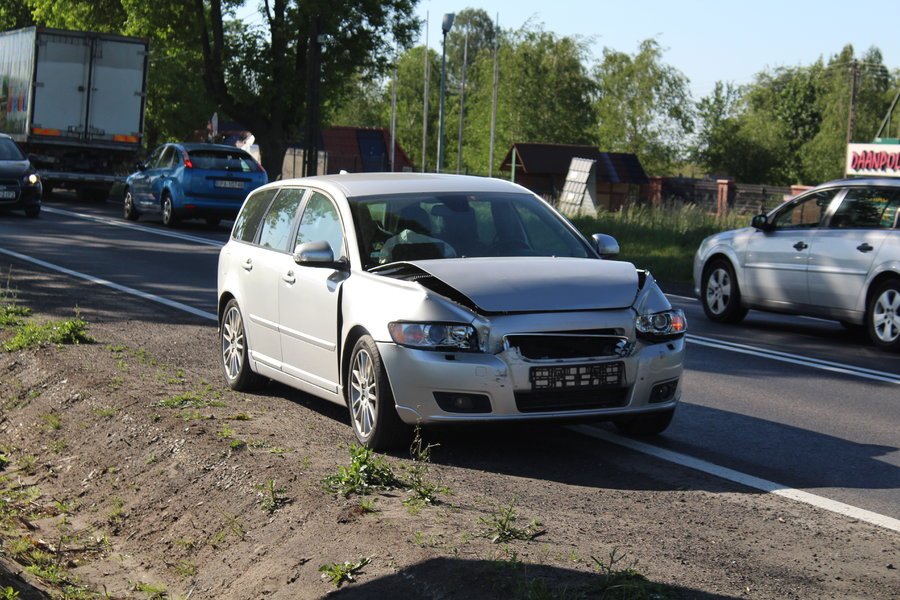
point(427, 299)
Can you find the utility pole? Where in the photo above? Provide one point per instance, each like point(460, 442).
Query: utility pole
point(494, 95)
point(851, 113)
point(462, 101)
point(313, 77)
point(425, 98)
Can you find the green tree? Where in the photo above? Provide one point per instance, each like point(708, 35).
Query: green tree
point(15, 14)
point(643, 106)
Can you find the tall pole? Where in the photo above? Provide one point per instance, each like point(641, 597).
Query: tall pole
point(425, 98)
point(462, 101)
point(494, 94)
point(394, 118)
point(446, 24)
point(314, 68)
point(851, 113)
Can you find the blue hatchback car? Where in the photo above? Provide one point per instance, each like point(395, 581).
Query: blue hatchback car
point(187, 181)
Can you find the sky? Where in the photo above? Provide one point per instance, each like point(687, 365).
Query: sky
point(707, 41)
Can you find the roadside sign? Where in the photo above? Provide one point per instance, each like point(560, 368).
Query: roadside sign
point(873, 159)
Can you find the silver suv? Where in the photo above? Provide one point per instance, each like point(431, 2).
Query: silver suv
point(832, 252)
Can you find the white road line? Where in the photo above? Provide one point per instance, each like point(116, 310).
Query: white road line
point(153, 298)
point(135, 227)
point(688, 298)
point(667, 455)
point(742, 478)
point(813, 363)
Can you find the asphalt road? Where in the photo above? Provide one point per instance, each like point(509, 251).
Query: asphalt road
point(802, 403)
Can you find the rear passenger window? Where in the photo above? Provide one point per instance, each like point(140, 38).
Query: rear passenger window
point(276, 225)
point(247, 222)
point(866, 208)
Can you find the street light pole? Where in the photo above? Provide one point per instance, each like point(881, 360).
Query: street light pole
point(446, 24)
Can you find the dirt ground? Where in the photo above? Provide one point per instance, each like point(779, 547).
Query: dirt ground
point(140, 475)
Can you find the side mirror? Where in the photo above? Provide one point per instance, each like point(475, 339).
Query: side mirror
point(761, 222)
point(605, 245)
point(139, 166)
point(317, 254)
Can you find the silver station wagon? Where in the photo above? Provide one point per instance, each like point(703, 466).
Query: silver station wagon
point(831, 252)
point(417, 298)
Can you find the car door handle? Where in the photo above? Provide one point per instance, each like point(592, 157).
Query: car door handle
point(800, 246)
point(864, 247)
point(289, 278)
point(247, 265)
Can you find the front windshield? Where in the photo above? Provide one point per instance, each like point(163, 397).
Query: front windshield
point(9, 150)
point(406, 227)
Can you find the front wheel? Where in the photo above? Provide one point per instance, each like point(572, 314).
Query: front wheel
point(373, 413)
point(128, 210)
point(169, 218)
point(235, 351)
point(883, 316)
point(720, 293)
point(645, 425)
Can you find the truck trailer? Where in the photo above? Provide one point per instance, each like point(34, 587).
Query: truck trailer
point(74, 100)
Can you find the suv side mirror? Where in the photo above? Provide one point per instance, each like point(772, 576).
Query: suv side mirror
point(761, 222)
point(605, 245)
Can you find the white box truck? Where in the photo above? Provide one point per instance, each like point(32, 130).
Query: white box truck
point(74, 101)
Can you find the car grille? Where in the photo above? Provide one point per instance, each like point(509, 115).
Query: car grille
point(563, 400)
point(562, 346)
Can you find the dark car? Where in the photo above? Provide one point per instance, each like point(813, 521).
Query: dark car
point(186, 181)
point(20, 185)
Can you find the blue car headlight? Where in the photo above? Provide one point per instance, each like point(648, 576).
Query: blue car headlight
point(661, 326)
point(453, 337)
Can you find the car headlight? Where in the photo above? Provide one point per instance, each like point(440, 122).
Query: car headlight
point(31, 179)
point(452, 337)
point(661, 326)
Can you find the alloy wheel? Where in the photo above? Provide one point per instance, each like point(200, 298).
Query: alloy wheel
point(886, 316)
point(718, 291)
point(363, 393)
point(233, 343)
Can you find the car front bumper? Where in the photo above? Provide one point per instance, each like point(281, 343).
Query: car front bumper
point(504, 379)
point(25, 196)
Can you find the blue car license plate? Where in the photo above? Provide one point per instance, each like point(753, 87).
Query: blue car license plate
point(228, 184)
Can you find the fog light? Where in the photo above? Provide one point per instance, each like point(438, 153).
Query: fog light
point(663, 392)
point(463, 402)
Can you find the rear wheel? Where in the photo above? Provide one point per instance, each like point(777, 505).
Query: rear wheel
point(128, 210)
point(883, 316)
point(235, 351)
point(720, 294)
point(169, 218)
point(645, 425)
point(373, 413)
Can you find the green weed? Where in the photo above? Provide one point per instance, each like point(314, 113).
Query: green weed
point(7, 593)
point(272, 498)
point(365, 473)
point(345, 572)
point(624, 583)
point(53, 421)
point(106, 412)
point(29, 335)
point(422, 491)
point(153, 591)
point(189, 399)
point(501, 526)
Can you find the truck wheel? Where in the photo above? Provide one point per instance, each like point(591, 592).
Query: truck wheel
point(169, 218)
point(129, 211)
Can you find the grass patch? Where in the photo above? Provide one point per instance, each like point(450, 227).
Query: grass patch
point(29, 335)
point(662, 240)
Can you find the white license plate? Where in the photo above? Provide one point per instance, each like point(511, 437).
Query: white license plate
point(7, 194)
point(231, 185)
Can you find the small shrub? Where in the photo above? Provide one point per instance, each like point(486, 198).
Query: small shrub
point(29, 335)
point(272, 498)
point(501, 526)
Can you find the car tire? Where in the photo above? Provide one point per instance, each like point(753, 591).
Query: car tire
point(169, 218)
point(646, 425)
point(883, 315)
point(720, 293)
point(370, 400)
point(128, 210)
point(33, 212)
point(235, 351)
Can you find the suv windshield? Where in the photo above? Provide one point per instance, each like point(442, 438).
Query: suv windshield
point(426, 226)
point(9, 150)
point(223, 160)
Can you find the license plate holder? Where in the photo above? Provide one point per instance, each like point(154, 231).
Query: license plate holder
point(577, 377)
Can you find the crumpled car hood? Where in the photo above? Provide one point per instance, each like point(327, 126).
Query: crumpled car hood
point(538, 284)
